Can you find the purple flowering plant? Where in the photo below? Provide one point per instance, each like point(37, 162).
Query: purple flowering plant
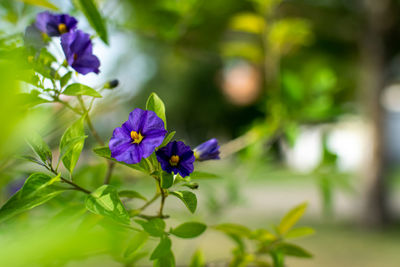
point(142, 143)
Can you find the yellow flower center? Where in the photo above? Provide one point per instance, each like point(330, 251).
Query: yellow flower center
point(62, 28)
point(136, 137)
point(174, 160)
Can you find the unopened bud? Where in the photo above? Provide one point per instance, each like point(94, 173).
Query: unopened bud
point(111, 84)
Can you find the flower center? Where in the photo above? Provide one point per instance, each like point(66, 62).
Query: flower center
point(62, 28)
point(136, 137)
point(174, 160)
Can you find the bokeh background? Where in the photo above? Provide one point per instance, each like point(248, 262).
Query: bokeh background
point(303, 95)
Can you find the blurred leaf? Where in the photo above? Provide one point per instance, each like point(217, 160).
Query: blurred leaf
point(166, 260)
point(188, 198)
point(105, 201)
point(163, 248)
point(235, 229)
point(293, 250)
point(32, 99)
point(291, 218)
point(41, 3)
point(203, 175)
point(189, 230)
point(131, 194)
point(77, 89)
point(37, 189)
point(65, 79)
point(40, 147)
point(291, 133)
point(92, 14)
point(167, 139)
point(136, 243)
point(167, 180)
point(197, 259)
point(72, 143)
point(155, 227)
point(154, 103)
point(299, 232)
point(288, 34)
point(263, 235)
point(248, 22)
point(105, 152)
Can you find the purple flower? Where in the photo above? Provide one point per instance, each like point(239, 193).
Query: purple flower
point(138, 137)
point(207, 150)
point(176, 157)
point(78, 48)
point(55, 24)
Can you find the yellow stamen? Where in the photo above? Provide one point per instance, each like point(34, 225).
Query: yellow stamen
point(136, 137)
point(62, 28)
point(174, 160)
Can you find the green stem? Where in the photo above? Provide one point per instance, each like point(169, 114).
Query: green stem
point(155, 197)
point(163, 197)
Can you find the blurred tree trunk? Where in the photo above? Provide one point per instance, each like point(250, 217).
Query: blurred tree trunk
point(373, 54)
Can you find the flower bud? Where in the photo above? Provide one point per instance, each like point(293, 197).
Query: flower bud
point(111, 84)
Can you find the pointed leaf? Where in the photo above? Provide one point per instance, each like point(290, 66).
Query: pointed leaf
point(155, 104)
point(291, 218)
point(188, 198)
point(189, 230)
point(167, 180)
point(235, 229)
point(37, 189)
point(92, 14)
point(162, 249)
point(293, 250)
point(299, 232)
point(155, 227)
point(105, 201)
point(77, 89)
point(41, 3)
point(40, 147)
point(71, 144)
point(167, 139)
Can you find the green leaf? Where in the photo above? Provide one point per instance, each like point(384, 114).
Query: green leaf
point(167, 260)
point(167, 139)
point(154, 103)
point(105, 201)
point(291, 218)
point(131, 194)
point(189, 230)
point(197, 259)
point(92, 14)
point(106, 153)
point(136, 243)
point(299, 232)
point(234, 229)
point(293, 250)
point(71, 144)
point(163, 248)
point(41, 3)
point(40, 147)
point(32, 99)
point(37, 189)
point(77, 89)
point(188, 198)
point(203, 175)
point(65, 79)
point(155, 227)
point(167, 180)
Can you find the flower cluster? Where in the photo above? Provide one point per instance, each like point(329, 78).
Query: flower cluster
point(144, 132)
point(77, 45)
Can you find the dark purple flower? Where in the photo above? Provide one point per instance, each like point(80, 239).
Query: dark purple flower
point(207, 150)
point(55, 24)
point(176, 157)
point(138, 137)
point(78, 48)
